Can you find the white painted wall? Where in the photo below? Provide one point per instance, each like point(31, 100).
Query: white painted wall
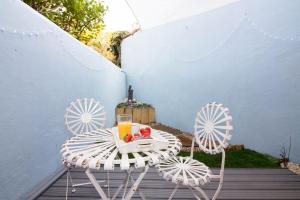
point(40, 74)
point(245, 55)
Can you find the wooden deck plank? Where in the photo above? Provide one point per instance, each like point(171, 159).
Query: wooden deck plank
point(185, 193)
point(227, 171)
point(227, 185)
point(238, 184)
point(232, 177)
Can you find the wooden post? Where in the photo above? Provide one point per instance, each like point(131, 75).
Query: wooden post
point(151, 115)
point(137, 115)
point(145, 115)
point(128, 110)
point(142, 115)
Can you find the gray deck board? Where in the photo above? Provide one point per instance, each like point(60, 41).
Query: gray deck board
point(238, 184)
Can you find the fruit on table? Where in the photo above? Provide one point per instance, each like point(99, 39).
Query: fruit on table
point(128, 138)
point(124, 128)
point(148, 129)
point(136, 135)
point(143, 133)
point(146, 132)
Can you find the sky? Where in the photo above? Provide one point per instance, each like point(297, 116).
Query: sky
point(118, 16)
point(151, 13)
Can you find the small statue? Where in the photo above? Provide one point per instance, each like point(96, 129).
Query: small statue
point(130, 94)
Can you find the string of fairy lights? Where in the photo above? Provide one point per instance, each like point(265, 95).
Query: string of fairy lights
point(60, 38)
point(25, 33)
point(216, 48)
point(77, 58)
point(256, 27)
point(253, 25)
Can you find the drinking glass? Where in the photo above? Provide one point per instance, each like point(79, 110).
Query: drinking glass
point(124, 125)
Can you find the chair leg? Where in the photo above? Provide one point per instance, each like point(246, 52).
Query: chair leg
point(67, 188)
point(218, 190)
point(108, 188)
point(201, 192)
point(195, 195)
point(71, 180)
point(173, 192)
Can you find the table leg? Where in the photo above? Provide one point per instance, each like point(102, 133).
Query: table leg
point(134, 187)
point(96, 184)
point(139, 191)
point(122, 185)
point(126, 184)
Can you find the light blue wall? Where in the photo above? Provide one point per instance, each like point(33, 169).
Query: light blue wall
point(39, 76)
point(245, 55)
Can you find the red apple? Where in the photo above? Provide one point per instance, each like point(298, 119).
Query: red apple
point(128, 138)
point(142, 131)
point(148, 129)
point(146, 132)
point(136, 135)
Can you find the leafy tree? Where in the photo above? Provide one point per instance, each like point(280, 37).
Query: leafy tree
point(109, 45)
point(115, 45)
point(82, 18)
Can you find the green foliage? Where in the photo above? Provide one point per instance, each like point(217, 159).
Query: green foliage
point(109, 45)
point(115, 45)
point(81, 18)
point(133, 105)
point(237, 159)
point(84, 20)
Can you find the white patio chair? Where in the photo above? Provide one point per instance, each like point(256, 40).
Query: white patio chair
point(82, 116)
point(212, 132)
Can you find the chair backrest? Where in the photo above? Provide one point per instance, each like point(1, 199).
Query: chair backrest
point(213, 128)
point(84, 115)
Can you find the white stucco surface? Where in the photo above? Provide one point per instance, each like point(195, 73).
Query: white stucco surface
point(245, 55)
point(43, 69)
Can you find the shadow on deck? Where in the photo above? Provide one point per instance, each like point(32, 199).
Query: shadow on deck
point(238, 184)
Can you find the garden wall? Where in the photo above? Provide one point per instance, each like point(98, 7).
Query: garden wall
point(245, 55)
point(43, 69)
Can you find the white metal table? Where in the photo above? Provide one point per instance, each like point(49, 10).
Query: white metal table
point(97, 149)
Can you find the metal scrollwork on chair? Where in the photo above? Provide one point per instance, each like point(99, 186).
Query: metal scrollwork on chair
point(84, 115)
point(213, 128)
point(212, 132)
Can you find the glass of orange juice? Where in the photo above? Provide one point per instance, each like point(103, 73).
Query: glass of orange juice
point(124, 125)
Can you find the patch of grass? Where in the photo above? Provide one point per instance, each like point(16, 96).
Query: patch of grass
point(237, 159)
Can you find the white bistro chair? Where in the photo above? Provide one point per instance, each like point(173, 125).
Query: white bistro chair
point(83, 116)
point(212, 132)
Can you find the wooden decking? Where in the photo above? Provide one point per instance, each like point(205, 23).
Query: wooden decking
point(238, 184)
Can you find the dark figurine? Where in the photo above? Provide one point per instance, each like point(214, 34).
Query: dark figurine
point(130, 94)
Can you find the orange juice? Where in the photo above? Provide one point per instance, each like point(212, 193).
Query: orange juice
point(124, 129)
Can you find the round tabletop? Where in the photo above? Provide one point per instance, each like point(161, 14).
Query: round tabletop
point(98, 148)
